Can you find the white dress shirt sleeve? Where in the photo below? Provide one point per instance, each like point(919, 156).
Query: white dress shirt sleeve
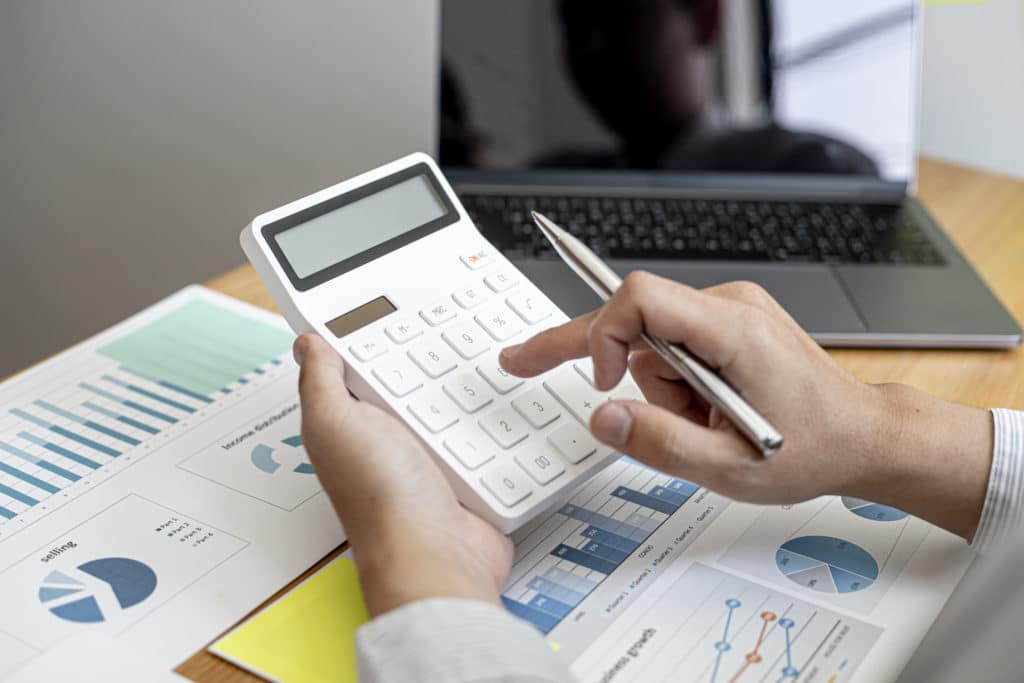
point(1003, 510)
point(445, 640)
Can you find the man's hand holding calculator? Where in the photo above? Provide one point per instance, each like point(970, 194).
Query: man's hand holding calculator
point(480, 405)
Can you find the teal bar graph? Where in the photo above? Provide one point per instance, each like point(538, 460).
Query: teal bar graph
point(38, 462)
point(17, 495)
point(95, 426)
point(60, 450)
point(131, 422)
point(28, 478)
point(128, 403)
point(200, 348)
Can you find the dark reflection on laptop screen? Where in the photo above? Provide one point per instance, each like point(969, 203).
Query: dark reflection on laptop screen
point(751, 86)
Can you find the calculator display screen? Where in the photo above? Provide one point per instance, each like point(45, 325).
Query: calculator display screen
point(326, 240)
point(354, 228)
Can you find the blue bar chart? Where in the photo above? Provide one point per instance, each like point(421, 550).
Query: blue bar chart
point(120, 394)
point(589, 538)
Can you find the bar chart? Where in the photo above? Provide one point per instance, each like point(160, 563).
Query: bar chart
point(107, 399)
point(570, 553)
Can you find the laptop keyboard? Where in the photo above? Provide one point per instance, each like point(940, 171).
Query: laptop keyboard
point(706, 229)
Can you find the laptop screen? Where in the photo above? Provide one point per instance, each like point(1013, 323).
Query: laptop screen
point(730, 86)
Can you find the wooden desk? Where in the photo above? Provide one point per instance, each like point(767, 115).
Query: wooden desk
point(983, 213)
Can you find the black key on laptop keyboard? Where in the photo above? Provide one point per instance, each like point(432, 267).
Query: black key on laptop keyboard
point(654, 228)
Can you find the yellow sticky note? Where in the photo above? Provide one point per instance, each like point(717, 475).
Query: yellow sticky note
point(307, 635)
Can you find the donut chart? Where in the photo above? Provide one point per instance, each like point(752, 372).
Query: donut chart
point(826, 564)
point(873, 511)
point(67, 595)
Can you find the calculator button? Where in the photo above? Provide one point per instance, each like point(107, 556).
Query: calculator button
point(434, 358)
point(538, 407)
point(477, 259)
point(404, 330)
point(543, 468)
point(501, 280)
point(530, 306)
point(574, 442)
point(499, 322)
point(369, 346)
point(470, 297)
point(469, 452)
point(585, 366)
point(435, 411)
point(469, 391)
point(399, 375)
point(505, 426)
point(468, 340)
point(438, 312)
point(497, 377)
point(575, 393)
point(508, 484)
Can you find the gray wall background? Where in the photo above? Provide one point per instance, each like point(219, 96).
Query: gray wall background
point(137, 137)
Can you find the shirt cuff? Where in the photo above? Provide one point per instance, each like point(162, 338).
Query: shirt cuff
point(447, 640)
point(1004, 502)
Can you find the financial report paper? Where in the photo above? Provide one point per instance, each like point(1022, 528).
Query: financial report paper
point(644, 577)
point(153, 484)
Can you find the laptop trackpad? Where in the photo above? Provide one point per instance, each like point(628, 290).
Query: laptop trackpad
point(811, 294)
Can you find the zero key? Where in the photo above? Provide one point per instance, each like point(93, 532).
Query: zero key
point(508, 483)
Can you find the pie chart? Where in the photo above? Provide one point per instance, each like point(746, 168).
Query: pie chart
point(873, 511)
point(69, 594)
point(826, 564)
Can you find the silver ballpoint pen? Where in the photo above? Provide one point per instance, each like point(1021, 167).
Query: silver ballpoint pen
point(704, 381)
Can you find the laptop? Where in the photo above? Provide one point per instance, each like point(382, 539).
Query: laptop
point(709, 141)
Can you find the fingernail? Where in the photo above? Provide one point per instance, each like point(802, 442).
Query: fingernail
point(509, 353)
point(299, 349)
point(612, 424)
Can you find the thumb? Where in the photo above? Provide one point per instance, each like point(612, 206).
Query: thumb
point(664, 440)
point(322, 389)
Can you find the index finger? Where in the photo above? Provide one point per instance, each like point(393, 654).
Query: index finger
point(549, 348)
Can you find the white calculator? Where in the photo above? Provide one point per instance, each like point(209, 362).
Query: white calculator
point(390, 270)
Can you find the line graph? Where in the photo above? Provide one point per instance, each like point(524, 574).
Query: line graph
point(711, 626)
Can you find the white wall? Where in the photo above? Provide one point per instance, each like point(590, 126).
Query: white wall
point(137, 137)
point(973, 99)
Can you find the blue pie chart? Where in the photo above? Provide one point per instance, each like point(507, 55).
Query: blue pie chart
point(873, 511)
point(69, 597)
point(826, 564)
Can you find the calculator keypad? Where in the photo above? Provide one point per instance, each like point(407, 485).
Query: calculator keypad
point(499, 322)
point(470, 452)
point(369, 346)
point(501, 381)
point(399, 375)
point(501, 280)
point(470, 297)
point(404, 330)
point(538, 407)
point(468, 340)
point(505, 426)
point(508, 483)
point(530, 307)
point(438, 313)
point(469, 391)
point(434, 357)
point(516, 436)
point(434, 411)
